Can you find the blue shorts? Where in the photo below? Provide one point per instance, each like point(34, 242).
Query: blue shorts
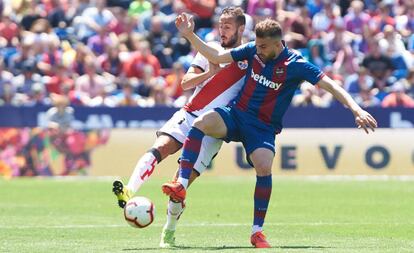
point(245, 128)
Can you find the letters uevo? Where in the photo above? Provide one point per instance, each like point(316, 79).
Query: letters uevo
point(263, 81)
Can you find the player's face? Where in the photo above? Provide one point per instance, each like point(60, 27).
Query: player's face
point(229, 34)
point(268, 48)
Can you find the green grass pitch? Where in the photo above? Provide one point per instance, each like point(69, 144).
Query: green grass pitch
point(53, 215)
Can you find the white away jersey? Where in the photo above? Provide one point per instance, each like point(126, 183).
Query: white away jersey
point(218, 90)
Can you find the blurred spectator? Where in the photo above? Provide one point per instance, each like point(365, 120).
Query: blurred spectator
point(38, 96)
point(298, 28)
point(147, 82)
point(5, 76)
point(365, 98)
point(379, 65)
point(27, 78)
point(56, 13)
point(260, 8)
point(159, 39)
point(134, 66)
point(110, 61)
point(398, 97)
point(158, 96)
point(167, 7)
point(173, 81)
point(123, 23)
point(317, 53)
point(9, 31)
point(91, 84)
point(405, 22)
point(98, 43)
point(359, 81)
point(314, 6)
point(127, 96)
point(76, 8)
point(61, 116)
point(51, 58)
point(383, 18)
point(331, 73)
point(323, 20)
point(82, 52)
point(9, 97)
point(203, 10)
point(93, 20)
point(41, 25)
point(392, 45)
point(356, 21)
point(31, 14)
point(61, 76)
point(339, 49)
point(24, 53)
point(308, 97)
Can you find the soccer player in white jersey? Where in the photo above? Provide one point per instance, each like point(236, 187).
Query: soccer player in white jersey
point(214, 87)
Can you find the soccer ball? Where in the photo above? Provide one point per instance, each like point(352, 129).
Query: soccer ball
point(139, 212)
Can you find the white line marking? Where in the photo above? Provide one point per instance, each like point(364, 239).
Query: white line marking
point(311, 224)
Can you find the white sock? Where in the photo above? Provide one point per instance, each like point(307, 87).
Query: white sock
point(183, 181)
point(174, 211)
point(143, 170)
point(256, 228)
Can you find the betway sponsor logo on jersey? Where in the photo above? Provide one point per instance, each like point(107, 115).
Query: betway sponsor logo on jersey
point(263, 81)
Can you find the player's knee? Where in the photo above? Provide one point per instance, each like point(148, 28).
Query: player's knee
point(199, 124)
point(203, 123)
point(263, 168)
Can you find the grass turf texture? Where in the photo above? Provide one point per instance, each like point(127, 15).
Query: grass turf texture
point(47, 215)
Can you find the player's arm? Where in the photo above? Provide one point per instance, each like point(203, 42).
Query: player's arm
point(185, 25)
point(362, 118)
point(196, 75)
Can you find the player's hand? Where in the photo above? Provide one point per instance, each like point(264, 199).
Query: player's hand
point(365, 121)
point(184, 23)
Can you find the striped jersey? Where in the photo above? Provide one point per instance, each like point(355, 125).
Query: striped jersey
point(269, 86)
point(218, 90)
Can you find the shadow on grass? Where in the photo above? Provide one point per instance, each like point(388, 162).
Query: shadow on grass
point(178, 247)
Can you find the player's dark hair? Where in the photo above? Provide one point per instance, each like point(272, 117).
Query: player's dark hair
point(268, 28)
point(235, 12)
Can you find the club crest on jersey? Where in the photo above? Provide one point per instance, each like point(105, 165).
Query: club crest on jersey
point(242, 64)
point(279, 71)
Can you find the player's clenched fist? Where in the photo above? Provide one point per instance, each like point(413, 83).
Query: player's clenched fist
point(184, 23)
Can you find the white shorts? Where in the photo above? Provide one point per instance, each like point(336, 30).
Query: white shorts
point(178, 127)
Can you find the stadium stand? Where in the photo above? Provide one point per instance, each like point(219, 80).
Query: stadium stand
point(96, 51)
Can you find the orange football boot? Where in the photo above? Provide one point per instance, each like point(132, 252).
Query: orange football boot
point(258, 240)
point(175, 190)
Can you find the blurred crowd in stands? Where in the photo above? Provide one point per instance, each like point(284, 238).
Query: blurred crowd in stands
point(129, 53)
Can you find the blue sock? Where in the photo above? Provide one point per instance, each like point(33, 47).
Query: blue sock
point(191, 150)
point(262, 194)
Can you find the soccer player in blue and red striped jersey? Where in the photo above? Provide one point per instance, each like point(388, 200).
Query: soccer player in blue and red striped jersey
point(273, 74)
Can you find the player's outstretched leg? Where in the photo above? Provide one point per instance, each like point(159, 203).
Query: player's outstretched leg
point(121, 192)
point(174, 211)
point(142, 171)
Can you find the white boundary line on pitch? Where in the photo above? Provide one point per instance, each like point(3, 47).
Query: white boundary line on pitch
point(312, 224)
